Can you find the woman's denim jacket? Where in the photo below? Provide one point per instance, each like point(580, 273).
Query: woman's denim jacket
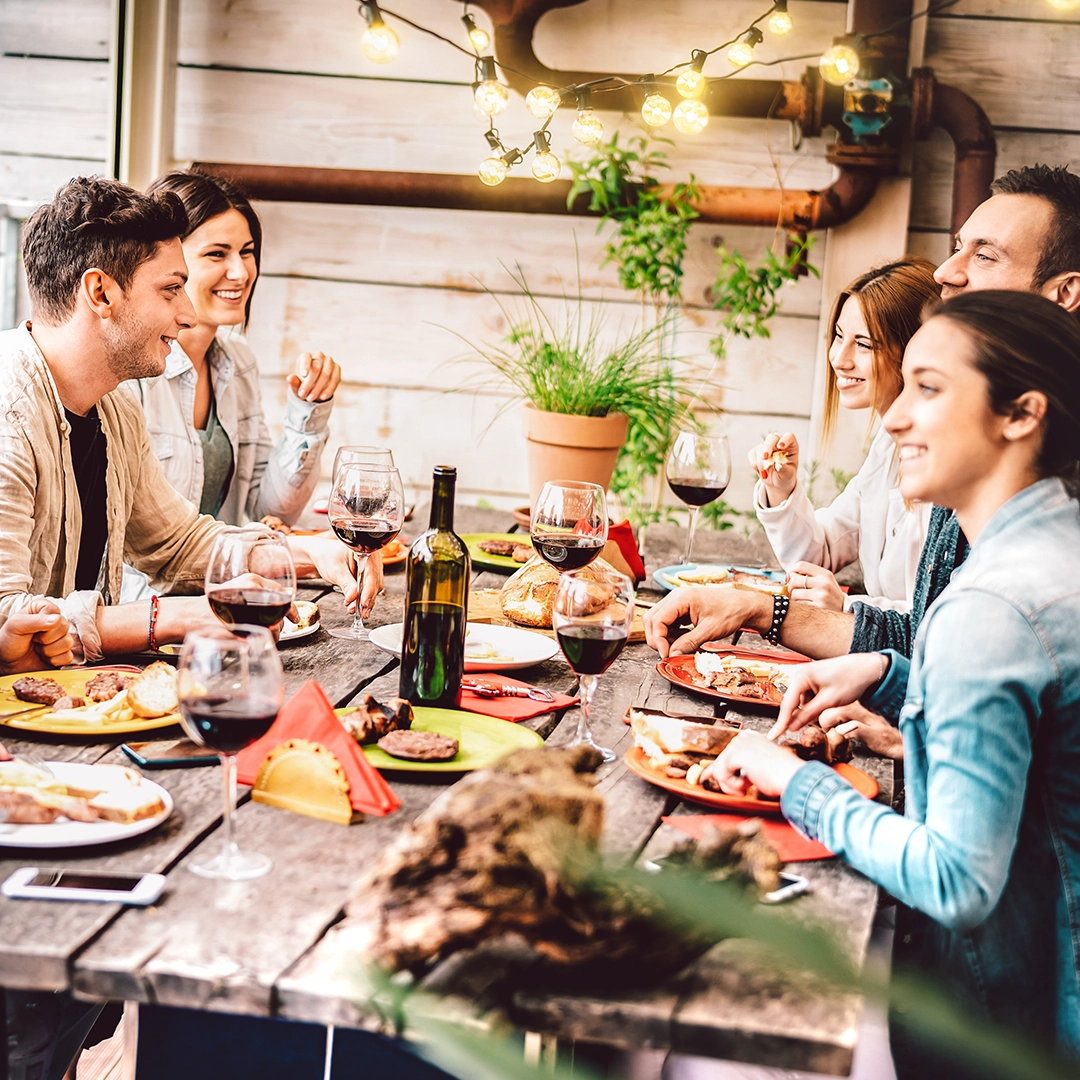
point(989, 710)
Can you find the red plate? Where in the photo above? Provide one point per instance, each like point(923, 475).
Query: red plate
point(679, 671)
point(638, 763)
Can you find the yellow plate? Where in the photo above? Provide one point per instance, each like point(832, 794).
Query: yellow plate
point(74, 680)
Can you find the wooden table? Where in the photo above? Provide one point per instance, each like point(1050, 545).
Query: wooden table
point(270, 947)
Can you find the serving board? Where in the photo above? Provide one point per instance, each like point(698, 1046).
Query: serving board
point(484, 607)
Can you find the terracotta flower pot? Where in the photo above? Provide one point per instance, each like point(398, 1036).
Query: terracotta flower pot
point(563, 447)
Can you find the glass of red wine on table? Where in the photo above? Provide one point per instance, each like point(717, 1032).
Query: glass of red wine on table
point(592, 615)
point(698, 470)
point(569, 523)
point(231, 688)
point(250, 577)
point(366, 512)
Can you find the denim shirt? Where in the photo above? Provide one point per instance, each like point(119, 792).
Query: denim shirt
point(989, 711)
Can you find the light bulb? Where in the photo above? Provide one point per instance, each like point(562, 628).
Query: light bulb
point(656, 111)
point(780, 22)
point(480, 38)
point(546, 167)
point(587, 128)
point(493, 171)
point(690, 117)
point(740, 54)
point(379, 43)
point(1065, 5)
point(839, 65)
point(491, 97)
point(692, 84)
point(542, 101)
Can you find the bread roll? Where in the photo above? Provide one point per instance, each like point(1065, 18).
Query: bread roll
point(528, 598)
point(153, 693)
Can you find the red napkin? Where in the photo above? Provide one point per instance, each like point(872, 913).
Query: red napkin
point(508, 708)
point(623, 535)
point(311, 716)
point(790, 845)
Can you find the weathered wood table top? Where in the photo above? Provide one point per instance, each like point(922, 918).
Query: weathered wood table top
point(270, 947)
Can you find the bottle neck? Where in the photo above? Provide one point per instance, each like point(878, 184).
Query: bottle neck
point(442, 504)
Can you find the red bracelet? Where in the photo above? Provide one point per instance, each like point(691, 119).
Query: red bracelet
point(151, 630)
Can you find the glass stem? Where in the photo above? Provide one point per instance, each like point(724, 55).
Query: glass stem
point(690, 533)
point(587, 688)
point(361, 562)
point(228, 774)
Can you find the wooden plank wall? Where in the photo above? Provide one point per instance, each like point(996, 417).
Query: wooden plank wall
point(392, 292)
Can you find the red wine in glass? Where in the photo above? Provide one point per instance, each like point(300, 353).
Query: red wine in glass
point(255, 607)
point(228, 724)
point(696, 492)
point(591, 650)
point(698, 471)
point(569, 552)
point(364, 535)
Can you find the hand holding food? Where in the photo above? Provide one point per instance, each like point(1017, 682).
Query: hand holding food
point(826, 684)
point(715, 613)
point(316, 378)
point(855, 721)
point(776, 461)
point(806, 581)
point(751, 760)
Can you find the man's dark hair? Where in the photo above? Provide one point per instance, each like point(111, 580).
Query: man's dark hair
point(1061, 188)
point(93, 223)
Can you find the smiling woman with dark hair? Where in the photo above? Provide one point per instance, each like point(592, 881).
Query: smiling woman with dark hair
point(987, 859)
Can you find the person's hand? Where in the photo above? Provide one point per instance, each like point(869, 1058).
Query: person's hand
point(316, 378)
point(825, 684)
point(714, 612)
point(36, 637)
point(855, 721)
point(816, 584)
point(779, 480)
point(751, 759)
point(373, 583)
point(327, 557)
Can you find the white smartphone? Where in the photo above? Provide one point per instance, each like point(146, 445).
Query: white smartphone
point(102, 886)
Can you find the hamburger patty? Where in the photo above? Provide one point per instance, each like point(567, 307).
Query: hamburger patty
point(39, 691)
point(106, 685)
point(419, 746)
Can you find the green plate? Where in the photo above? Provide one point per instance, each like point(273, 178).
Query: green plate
point(483, 740)
point(486, 561)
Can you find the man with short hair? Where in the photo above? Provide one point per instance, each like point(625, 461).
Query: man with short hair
point(1025, 237)
point(81, 491)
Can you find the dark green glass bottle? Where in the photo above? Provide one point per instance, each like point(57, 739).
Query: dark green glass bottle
point(436, 605)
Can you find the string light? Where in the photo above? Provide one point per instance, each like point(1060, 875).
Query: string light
point(839, 65)
point(1065, 5)
point(478, 36)
point(690, 116)
point(656, 109)
point(587, 128)
point(546, 166)
point(493, 169)
point(691, 83)
point(780, 21)
point(542, 101)
point(379, 43)
point(490, 94)
point(742, 52)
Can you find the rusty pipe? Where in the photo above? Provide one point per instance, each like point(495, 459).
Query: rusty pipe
point(976, 149)
point(717, 205)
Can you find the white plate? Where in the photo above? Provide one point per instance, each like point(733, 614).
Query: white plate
point(525, 647)
point(290, 631)
point(65, 834)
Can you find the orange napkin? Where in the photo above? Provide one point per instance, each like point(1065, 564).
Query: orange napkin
point(508, 708)
point(311, 716)
point(790, 845)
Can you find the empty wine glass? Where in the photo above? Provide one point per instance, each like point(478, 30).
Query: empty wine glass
point(698, 470)
point(366, 512)
point(569, 524)
point(592, 614)
point(363, 455)
point(231, 687)
point(250, 577)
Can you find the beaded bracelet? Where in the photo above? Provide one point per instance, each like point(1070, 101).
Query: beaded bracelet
point(780, 605)
point(151, 629)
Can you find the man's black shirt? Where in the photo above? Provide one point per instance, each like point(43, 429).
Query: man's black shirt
point(88, 455)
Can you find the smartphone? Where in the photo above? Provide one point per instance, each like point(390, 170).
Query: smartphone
point(179, 754)
point(101, 886)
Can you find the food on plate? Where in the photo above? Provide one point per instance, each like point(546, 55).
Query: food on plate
point(86, 781)
point(275, 523)
point(663, 738)
point(127, 804)
point(68, 702)
point(38, 691)
point(701, 575)
point(153, 693)
point(726, 576)
point(513, 549)
point(476, 649)
point(529, 596)
point(105, 685)
point(18, 774)
point(735, 675)
point(814, 744)
point(372, 720)
point(307, 614)
point(419, 746)
point(22, 808)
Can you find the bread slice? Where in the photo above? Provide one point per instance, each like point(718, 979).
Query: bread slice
point(153, 693)
point(87, 781)
point(674, 736)
point(127, 804)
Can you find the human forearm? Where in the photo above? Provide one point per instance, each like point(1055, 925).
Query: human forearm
point(125, 628)
point(808, 629)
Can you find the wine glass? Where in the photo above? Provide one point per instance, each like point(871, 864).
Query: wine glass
point(363, 455)
point(231, 688)
point(592, 614)
point(250, 577)
point(569, 524)
point(366, 512)
point(698, 470)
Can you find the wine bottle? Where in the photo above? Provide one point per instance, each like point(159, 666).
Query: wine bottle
point(436, 605)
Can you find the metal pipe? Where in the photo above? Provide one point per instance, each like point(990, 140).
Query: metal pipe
point(976, 149)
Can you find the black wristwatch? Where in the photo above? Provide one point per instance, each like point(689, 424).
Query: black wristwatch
point(780, 606)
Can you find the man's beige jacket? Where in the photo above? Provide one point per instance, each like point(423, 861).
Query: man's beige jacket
point(151, 526)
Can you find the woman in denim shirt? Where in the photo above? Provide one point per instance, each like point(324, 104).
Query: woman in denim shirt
point(987, 858)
